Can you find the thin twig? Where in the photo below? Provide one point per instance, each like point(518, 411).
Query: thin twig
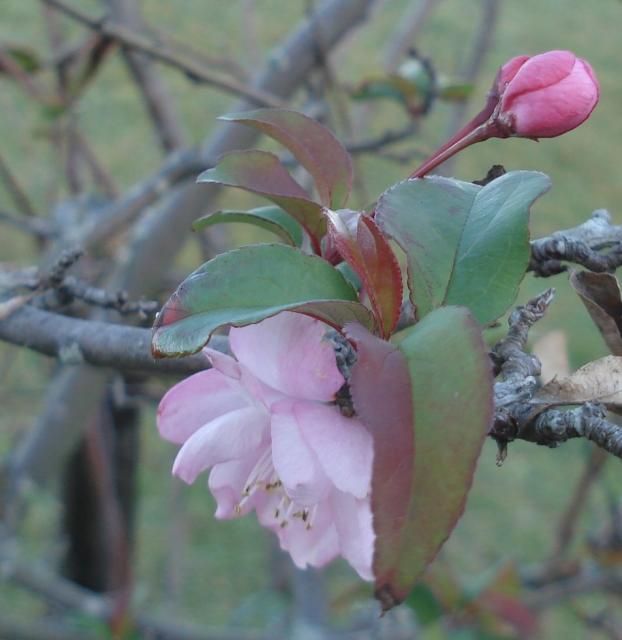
point(568, 522)
point(405, 36)
point(157, 98)
point(22, 202)
point(191, 68)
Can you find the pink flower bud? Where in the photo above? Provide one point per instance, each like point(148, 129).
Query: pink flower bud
point(547, 95)
point(534, 97)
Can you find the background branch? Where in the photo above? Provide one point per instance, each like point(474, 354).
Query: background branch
point(196, 71)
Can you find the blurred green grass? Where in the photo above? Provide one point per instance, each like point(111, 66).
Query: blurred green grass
point(511, 510)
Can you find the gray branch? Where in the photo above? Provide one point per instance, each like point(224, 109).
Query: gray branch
point(515, 418)
point(102, 344)
point(583, 245)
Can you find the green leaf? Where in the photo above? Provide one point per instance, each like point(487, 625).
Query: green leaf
point(262, 173)
point(272, 219)
point(24, 56)
point(425, 604)
point(465, 244)
point(248, 285)
point(454, 92)
point(430, 394)
point(312, 144)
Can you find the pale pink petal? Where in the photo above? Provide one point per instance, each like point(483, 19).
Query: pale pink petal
point(267, 508)
point(227, 481)
point(343, 446)
point(289, 352)
point(353, 520)
point(315, 546)
point(231, 436)
point(197, 400)
point(223, 362)
point(294, 462)
point(538, 72)
point(260, 392)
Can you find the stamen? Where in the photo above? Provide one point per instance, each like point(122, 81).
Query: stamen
point(310, 517)
point(260, 473)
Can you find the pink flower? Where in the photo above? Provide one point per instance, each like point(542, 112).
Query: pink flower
point(265, 425)
point(546, 95)
point(534, 97)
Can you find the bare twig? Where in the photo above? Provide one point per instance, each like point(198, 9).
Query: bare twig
point(40, 228)
point(22, 202)
point(409, 26)
point(66, 595)
point(155, 94)
point(580, 245)
point(568, 522)
point(191, 68)
point(45, 630)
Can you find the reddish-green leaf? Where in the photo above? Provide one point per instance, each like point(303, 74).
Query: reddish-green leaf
point(246, 286)
point(262, 173)
point(312, 144)
point(447, 401)
point(362, 245)
point(380, 388)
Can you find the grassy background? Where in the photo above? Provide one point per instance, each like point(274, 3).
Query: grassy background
point(221, 567)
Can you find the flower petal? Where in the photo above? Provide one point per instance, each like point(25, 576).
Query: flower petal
point(552, 111)
point(197, 400)
point(353, 520)
point(343, 446)
point(227, 481)
point(289, 352)
point(315, 546)
point(223, 362)
point(294, 462)
point(231, 436)
point(540, 71)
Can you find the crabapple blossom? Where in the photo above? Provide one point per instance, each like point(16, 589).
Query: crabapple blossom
point(541, 96)
point(266, 425)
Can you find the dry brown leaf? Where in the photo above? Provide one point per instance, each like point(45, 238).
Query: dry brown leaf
point(552, 351)
point(597, 381)
point(601, 295)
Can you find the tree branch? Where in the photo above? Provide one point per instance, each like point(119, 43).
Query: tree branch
point(515, 418)
point(101, 344)
point(581, 245)
point(139, 42)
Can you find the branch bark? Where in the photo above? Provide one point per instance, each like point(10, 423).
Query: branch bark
point(101, 344)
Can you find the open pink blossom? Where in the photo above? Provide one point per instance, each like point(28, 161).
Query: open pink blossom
point(541, 96)
point(265, 424)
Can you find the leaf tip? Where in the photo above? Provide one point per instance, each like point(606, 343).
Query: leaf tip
point(387, 598)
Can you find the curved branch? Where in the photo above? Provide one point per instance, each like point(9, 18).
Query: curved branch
point(102, 344)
